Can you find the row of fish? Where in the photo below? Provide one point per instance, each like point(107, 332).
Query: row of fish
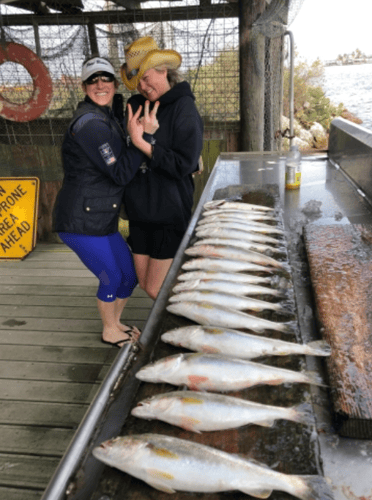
point(215, 291)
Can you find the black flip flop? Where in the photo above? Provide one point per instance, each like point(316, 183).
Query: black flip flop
point(116, 344)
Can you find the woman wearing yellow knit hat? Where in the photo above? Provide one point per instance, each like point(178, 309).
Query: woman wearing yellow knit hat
point(159, 199)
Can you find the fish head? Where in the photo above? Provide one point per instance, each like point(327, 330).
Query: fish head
point(154, 372)
point(180, 296)
point(179, 336)
point(154, 406)
point(186, 285)
point(120, 450)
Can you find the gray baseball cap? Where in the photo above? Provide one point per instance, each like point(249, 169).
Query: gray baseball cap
point(94, 66)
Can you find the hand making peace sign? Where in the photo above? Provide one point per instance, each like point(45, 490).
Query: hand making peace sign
point(149, 121)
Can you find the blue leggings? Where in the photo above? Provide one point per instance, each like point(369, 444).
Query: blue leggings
point(110, 259)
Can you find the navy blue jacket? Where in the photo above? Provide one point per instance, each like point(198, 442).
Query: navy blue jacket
point(163, 192)
point(97, 166)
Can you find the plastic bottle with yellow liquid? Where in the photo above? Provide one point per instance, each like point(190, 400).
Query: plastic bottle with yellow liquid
point(293, 168)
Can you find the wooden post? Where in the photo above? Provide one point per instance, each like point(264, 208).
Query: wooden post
point(273, 93)
point(252, 63)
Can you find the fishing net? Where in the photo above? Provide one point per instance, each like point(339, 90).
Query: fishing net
point(209, 47)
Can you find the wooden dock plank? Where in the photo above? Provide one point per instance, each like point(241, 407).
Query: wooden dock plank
point(52, 362)
point(76, 274)
point(62, 291)
point(47, 391)
point(25, 470)
point(23, 494)
point(47, 338)
point(47, 281)
point(52, 371)
point(49, 311)
point(23, 439)
point(136, 316)
point(54, 415)
point(65, 301)
point(55, 354)
point(24, 289)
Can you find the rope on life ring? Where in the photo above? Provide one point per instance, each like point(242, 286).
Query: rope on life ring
point(42, 82)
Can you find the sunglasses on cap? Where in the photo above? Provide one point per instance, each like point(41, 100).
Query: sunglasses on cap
point(104, 77)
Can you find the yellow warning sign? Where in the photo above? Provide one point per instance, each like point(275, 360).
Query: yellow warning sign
point(19, 199)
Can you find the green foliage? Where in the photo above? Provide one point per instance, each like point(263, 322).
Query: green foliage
point(310, 103)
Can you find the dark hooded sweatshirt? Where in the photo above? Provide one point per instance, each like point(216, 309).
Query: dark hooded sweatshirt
point(162, 191)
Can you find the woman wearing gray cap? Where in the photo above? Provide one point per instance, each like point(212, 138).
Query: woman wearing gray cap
point(98, 164)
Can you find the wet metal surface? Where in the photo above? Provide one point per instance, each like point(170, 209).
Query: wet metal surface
point(288, 447)
point(325, 197)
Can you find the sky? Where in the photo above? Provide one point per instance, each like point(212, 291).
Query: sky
point(325, 29)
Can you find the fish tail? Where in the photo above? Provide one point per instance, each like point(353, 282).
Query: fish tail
point(314, 378)
point(289, 327)
point(319, 348)
point(310, 488)
point(302, 414)
point(286, 307)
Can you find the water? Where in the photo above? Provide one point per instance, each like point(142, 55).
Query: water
point(351, 85)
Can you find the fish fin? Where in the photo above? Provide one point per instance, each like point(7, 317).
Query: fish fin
point(319, 348)
point(195, 380)
point(209, 349)
point(266, 423)
point(189, 423)
point(314, 488)
point(257, 493)
point(155, 479)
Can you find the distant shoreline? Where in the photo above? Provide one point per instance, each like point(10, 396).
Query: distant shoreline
point(348, 63)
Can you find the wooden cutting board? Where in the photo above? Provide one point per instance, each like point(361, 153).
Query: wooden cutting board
point(340, 262)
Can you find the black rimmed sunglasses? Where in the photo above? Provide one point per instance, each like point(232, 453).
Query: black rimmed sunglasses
point(104, 77)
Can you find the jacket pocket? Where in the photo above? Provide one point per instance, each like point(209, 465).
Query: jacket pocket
point(102, 205)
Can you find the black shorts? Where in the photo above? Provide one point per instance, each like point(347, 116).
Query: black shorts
point(155, 240)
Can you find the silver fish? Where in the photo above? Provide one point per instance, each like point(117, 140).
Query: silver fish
point(205, 313)
point(169, 464)
point(224, 265)
point(233, 253)
point(231, 287)
point(243, 226)
point(209, 219)
point(239, 214)
point(235, 204)
point(215, 340)
point(205, 411)
point(246, 245)
point(222, 276)
point(224, 232)
point(238, 302)
point(219, 373)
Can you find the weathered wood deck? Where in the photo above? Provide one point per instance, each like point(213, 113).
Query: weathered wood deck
point(52, 362)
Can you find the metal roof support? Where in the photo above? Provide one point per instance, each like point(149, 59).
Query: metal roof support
point(93, 38)
point(37, 37)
